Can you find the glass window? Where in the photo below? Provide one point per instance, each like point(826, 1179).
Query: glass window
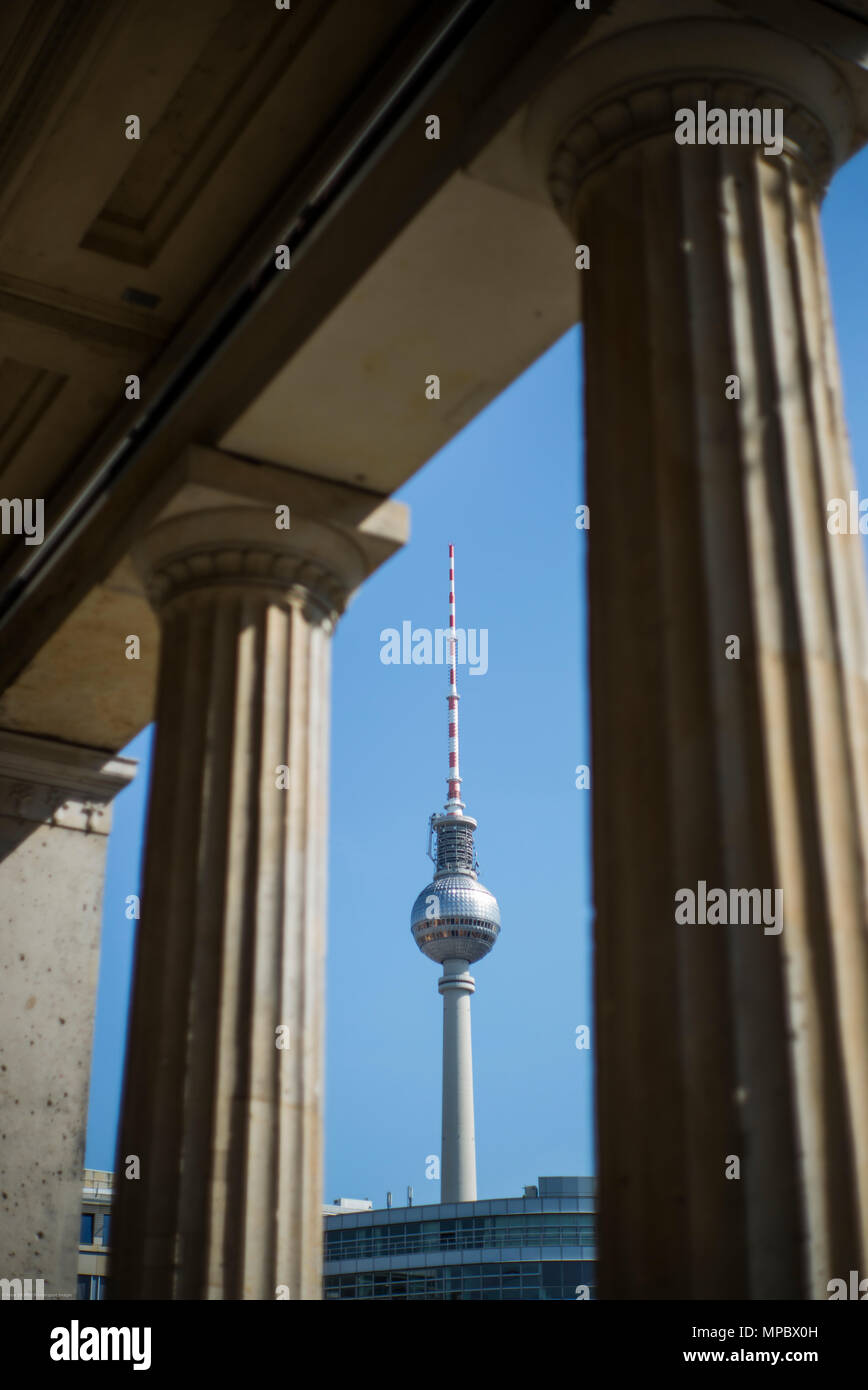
point(83, 1286)
point(560, 1279)
point(106, 1228)
point(86, 1237)
point(513, 1281)
point(510, 1226)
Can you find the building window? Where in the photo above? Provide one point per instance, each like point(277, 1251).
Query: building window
point(86, 1237)
point(91, 1287)
point(106, 1225)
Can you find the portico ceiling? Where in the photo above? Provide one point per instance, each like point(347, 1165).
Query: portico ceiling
point(120, 256)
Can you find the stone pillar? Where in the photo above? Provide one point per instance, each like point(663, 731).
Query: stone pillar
point(223, 1087)
point(456, 984)
point(740, 765)
point(54, 820)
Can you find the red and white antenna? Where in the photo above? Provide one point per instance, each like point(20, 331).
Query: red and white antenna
point(454, 804)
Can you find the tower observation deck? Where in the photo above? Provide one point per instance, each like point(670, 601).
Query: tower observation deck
point(455, 921)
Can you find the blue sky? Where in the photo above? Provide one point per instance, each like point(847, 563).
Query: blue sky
point(504, 492)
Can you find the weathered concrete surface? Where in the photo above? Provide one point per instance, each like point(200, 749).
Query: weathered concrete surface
point(54, 820)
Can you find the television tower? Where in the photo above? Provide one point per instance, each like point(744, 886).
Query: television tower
point(455, 921)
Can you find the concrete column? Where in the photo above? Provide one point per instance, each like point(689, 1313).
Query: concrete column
point(54, 819)
point(735, 764)
point(458, 1157)
point(223, 1089)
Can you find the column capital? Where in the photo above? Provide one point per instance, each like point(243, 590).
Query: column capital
point(611, 94)
point(231, 550)
point(233, 527)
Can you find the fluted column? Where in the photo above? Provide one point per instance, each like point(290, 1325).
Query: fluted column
point(224, 1074)
point(458, 1177)
point(742, 767)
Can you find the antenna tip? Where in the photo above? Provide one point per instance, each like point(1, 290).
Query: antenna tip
point(451, 551)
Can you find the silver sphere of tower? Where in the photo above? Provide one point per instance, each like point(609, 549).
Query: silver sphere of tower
point(455, 917)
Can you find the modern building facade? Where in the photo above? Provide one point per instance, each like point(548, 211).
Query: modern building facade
point(187, 269)
point(93, 1245)
point(539, 1246)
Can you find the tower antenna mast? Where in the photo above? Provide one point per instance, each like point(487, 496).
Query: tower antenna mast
point(454, 804)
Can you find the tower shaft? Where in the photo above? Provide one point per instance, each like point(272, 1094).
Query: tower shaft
point(458, 1148)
